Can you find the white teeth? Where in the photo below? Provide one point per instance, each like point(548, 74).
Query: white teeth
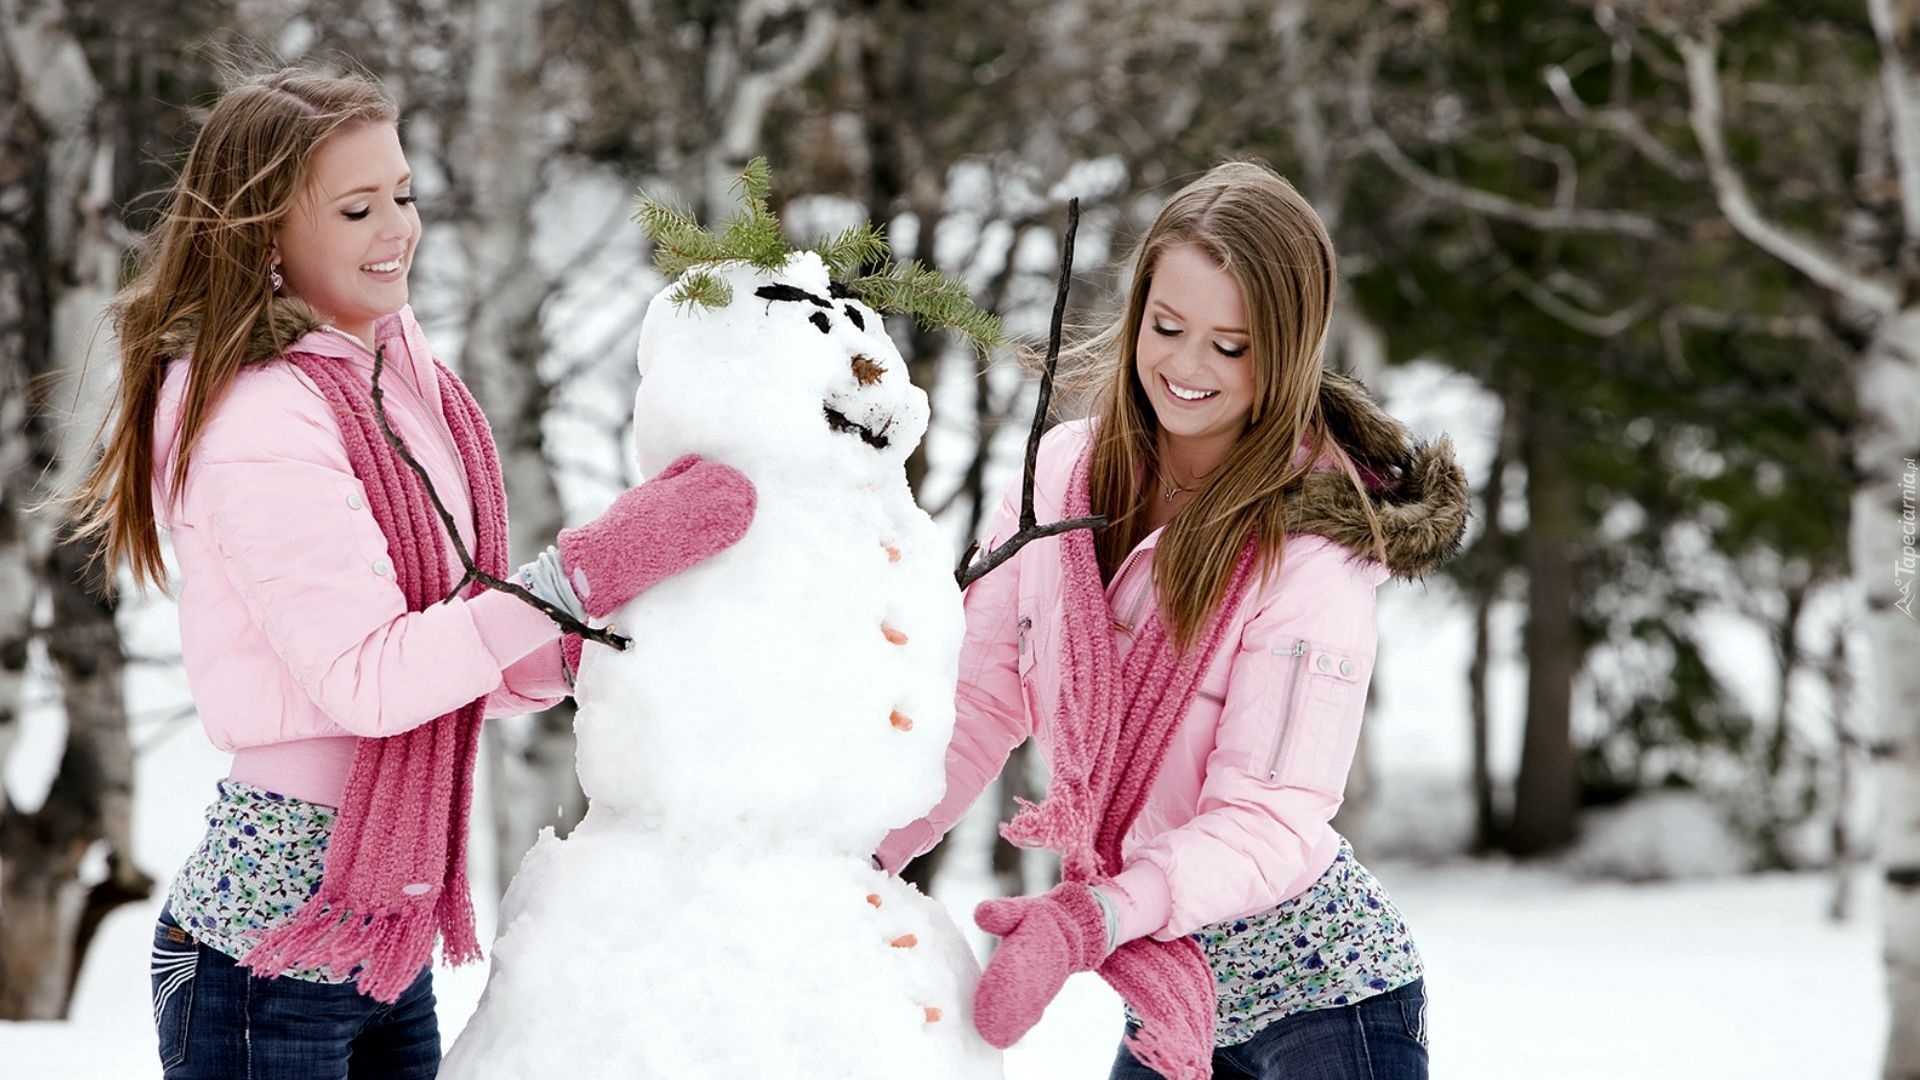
point(1185, 394)
point(387, 267)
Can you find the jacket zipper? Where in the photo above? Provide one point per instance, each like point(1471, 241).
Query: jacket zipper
point(1132, 622)
point(1286, 717)
point(1024, 625)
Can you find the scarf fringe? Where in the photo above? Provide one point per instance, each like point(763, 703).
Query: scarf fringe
point(387, 946)
point(1152, 1051)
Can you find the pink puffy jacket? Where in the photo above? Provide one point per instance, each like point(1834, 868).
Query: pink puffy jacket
point(295, 637)
point(1237, 820)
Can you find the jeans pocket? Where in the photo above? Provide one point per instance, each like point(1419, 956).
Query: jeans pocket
point(176, 959)
point(1413, 1011)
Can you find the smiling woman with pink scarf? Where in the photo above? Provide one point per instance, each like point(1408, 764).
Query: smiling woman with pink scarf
point(324, 641)
point(1195, 673)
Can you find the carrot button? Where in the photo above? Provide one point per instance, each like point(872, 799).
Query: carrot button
point(933, 1014)
point(904, 941)
point(873, 898)
point(900, 721)
point(893, 635)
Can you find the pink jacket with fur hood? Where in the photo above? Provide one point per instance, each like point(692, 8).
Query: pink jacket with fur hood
point(295, 636)
point(1237, 820)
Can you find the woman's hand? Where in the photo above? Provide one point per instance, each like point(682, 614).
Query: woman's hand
point(1044, 940)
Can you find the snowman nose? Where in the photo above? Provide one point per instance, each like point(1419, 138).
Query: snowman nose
point(865, 371)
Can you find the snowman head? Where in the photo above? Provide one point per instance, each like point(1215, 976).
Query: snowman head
point(791, 373)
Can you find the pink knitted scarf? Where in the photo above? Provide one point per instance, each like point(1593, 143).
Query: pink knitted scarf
point(396, 868)
point(1111, 731)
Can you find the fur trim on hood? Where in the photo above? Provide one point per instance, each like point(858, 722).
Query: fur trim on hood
point(1417, 490)
point(288, 320)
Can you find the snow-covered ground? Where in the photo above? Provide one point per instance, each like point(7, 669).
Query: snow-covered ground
point(1533, 973)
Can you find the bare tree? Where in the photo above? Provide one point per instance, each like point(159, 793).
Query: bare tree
point(60, 236)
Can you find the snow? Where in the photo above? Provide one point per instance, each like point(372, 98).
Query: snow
point(786, 703)
point(1659, 836)
point(1533, 972)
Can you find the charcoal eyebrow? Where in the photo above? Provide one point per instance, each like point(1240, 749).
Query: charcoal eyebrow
point(789, 292)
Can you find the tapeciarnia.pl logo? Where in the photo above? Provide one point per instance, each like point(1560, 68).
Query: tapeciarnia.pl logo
point(1903, 571)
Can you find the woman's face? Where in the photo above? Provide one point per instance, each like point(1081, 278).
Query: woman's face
point(347, 245)
point(1193, 350)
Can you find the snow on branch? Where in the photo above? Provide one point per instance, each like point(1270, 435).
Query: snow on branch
point(1030, 529)
point(1706, 113)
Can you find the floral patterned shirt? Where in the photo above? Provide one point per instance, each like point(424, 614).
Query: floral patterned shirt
point(259, 863)
point(1337, 943)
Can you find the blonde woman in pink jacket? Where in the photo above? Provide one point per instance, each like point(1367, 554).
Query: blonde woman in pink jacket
point(1196, 672)
point(332, 638)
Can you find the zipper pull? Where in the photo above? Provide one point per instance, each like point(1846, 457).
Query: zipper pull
point(1024, 625)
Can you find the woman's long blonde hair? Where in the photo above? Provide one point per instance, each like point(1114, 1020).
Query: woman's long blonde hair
point(205, 265)
point(1265, 234)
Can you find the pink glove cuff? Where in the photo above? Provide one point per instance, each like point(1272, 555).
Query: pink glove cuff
point(904, 844)
point(1141, 899)
point(509, 627)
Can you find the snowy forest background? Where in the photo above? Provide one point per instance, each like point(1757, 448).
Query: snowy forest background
point(1642, 768)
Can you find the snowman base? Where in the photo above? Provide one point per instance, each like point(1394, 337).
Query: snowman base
point(626, 953)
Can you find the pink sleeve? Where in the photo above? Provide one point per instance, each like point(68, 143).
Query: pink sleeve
point(273, 491)
point(533, 682)
point(989, 716)
point(1296, 693)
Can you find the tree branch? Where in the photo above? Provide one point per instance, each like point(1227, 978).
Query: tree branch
point(474, 574)
point(1030, 530)
point(1558, 219)
point(1623, 122)
point(1730, 191)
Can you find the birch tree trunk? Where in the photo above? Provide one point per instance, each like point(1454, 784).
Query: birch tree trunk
point(62, 223)
point(503, 145)
point(1884, 546)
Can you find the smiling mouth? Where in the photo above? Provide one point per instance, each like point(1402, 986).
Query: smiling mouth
point(1184, 394)
point(838, 421)
point(387, 267)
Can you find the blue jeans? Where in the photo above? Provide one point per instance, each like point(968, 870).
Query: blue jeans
point(1381, 1038)
point(217, 1021)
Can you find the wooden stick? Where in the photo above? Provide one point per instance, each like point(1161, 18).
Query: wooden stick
point(968, 571)
point(560, 618)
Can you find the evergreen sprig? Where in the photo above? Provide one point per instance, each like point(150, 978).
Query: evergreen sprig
point(684, 249)
point(933, 299)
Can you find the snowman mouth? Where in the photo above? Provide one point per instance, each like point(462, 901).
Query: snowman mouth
point(838, 421)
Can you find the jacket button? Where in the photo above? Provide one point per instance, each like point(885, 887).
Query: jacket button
point(354, 503)
point(1346, 668)
point(381, 566)
point(1326, 662)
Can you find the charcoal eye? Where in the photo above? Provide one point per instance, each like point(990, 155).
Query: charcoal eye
point(820, 320)
point(854, 318)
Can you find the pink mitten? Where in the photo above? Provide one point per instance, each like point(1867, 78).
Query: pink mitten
point(692, 510)
point(1046, 939)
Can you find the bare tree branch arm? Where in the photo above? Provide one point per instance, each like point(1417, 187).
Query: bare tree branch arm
point(560, 618)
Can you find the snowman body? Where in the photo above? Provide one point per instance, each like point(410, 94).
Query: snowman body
point(783, 706)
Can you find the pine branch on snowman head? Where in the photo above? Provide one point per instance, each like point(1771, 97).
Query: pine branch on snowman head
point(686, 250)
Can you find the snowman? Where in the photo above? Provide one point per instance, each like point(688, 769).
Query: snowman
point(782, 707)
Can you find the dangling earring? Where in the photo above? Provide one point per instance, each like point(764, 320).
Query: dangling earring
point(274, 278)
